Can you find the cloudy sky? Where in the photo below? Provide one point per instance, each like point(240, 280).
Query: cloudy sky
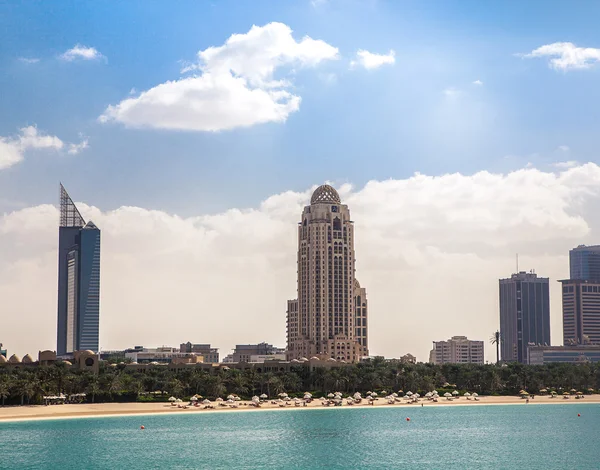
point(192, 133)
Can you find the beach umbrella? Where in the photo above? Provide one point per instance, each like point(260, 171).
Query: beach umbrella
point(264, 396)
point(400, 391)
point(193, 399)
point(383, 392)
point(374, 394)
point(206, 401)
point(230, 402)
point(467, 394)
point(230, 397)
point(283, 394)
point(409, 393)
point(357, 396)
point(179, 400)
point(330, 395)
point(455, 393)
point(307, 396)
point(447, 394)
point(219, 399)
point(394, 394)
point(475, 394)
point(565, 393)
point(172, 399)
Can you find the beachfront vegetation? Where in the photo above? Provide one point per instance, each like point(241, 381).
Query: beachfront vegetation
point(121, 384)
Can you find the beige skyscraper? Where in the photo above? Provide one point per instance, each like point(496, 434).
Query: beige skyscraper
point(329, 317)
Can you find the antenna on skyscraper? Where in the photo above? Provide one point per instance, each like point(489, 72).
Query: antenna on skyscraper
point(517, 263)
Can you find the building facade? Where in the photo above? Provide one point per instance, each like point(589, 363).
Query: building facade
point(584, 263)
point(162, 355)
point(324, 320)
point(2, 351)
point(524, 315)
point(457, 350)
point(540, 355)
point(244, 352)
point(209, 353)
point(78, 280)
point(581, 312)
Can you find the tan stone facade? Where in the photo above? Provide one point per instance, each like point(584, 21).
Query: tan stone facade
point(324, 320)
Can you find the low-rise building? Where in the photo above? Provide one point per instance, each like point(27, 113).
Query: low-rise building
point(408, 359)
point(540, 355)
point(457, 350)
point(164, 354)
point(243, 352)
point(209, 353)
point(260, 358)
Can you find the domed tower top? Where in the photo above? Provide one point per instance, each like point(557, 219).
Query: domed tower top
point(325, 194)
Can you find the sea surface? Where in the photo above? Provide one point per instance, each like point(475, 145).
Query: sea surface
point(444, 437)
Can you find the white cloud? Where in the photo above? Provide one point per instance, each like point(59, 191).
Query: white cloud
point(29, 60)
point(74, 149)
point(371, 60)
point(452, 92)
point(567, 164)
point(12, 149)
point(235, 85)
point(82, 53)
point(426, 246)
point(563, 148)
point(478, 83)
point(566, 55)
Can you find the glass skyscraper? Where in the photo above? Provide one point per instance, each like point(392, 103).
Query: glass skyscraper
point(78, 280)
point(584, 262)
point(524, 315)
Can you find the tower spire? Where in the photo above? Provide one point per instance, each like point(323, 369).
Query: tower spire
point(69, 214)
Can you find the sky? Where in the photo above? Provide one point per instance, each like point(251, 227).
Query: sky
point(459, 133)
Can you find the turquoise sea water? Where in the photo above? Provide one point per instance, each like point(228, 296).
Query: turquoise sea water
point(453, 437)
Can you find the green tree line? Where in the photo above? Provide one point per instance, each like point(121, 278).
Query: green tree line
point(120, 384)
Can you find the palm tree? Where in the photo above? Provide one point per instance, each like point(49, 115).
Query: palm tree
point(4, 390)
point(93, 387)
point(496, 339)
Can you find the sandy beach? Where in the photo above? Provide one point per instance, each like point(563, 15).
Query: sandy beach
point(35, 412)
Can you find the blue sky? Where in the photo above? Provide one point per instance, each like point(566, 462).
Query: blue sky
point(352, 125)
point(468, 130)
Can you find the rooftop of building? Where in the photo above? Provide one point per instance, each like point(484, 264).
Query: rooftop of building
point(525, 276)
point(325, 194)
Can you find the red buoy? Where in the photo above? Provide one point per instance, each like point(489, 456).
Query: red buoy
point(142, 427)
point(407, 419)
point(578, 414)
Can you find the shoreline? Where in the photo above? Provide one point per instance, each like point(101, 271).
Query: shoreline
point(14, 414)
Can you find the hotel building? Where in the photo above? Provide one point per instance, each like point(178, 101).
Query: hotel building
point(581, 312)
point(457, 350)
point(329, 317)
point(524, 315)
point(78, 280)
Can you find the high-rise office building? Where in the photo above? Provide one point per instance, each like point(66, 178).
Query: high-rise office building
point(524, 315)
point(329, 317)
point(457, 350)
point(581, 312)
point(78, 280)
point(584, 263)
